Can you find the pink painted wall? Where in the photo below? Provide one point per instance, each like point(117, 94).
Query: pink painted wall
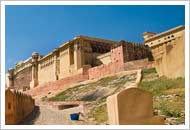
point(116, 65)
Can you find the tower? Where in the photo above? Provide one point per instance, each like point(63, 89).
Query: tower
point(34, 82)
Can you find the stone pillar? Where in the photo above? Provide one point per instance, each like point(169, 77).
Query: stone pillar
point(57, 63)
point(11, 78)
point(34, 81)
point(78, 56)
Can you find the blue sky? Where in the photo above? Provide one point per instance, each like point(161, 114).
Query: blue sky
point(43, 28)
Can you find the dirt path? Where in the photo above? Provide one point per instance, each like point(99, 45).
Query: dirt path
point(46, 115)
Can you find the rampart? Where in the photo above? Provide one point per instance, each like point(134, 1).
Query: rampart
point(17, 106)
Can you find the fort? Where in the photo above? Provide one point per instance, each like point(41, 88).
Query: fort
point(83, 55)
point(87, 58)
point(95, 57)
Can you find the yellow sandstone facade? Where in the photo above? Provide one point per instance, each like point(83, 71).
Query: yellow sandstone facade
point(168, 50)
point(73, 58)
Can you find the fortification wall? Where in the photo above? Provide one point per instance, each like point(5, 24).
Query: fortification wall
point(139, 64)
point(64, 63)
point(17, 106)
point(23, 78)
point(172, 62)
point(45, 88)
point(168, 49)
point(175, 59)
point(102, 70)
point(116, 65)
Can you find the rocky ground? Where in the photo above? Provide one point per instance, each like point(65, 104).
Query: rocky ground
point(168, 96)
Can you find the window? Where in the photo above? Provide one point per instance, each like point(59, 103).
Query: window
point(9, 105)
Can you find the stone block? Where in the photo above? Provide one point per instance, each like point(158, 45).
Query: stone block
point(132, 106)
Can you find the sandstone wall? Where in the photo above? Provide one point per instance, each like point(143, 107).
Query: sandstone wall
point(102, 70)
point(104, 58)
point(17, 106)
point(168, 49)
point(139, 64)
point(47, 70)
point(172, 64)
point(23, 78)
point(116, 65)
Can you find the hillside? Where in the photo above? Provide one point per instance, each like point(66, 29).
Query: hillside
point(95, 93)
point(168, 95)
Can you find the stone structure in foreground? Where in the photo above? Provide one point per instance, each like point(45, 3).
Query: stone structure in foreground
point(168, 50)
point(136, 109)
point(81, 56)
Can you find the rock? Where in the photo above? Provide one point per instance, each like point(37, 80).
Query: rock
point(91, 119)
point(172, 121)
point(157, 112)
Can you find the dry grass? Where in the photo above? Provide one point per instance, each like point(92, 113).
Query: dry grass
point(160, 88)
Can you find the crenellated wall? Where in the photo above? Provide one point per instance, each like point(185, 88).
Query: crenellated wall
point(17, 106)
point(119, 61)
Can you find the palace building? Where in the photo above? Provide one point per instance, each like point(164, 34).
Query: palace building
point(72, 58)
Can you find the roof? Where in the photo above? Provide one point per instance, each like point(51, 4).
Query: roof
point(89, 38)
point(95, 39)
point(81, 37)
